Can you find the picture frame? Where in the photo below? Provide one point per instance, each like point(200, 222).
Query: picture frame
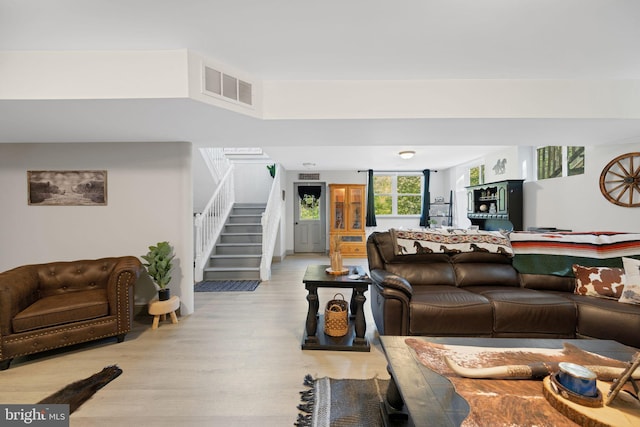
point(67, 187)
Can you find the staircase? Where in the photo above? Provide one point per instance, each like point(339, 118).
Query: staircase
point(238, 252)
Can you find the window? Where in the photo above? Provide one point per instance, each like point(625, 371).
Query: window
point(549, 162)
point(397, 194)
point(309, 202)
point(558, 161)
point(575, 161)
point(476, 175)
point(309, 207)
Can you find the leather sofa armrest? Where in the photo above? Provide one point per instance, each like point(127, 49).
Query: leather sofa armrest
point(388, 280)
point(120, 291)
point(18, 290)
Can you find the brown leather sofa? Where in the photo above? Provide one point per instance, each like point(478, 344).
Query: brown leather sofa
point(47, 306)
point(481, 294)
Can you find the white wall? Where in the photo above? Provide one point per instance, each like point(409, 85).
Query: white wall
point(576, 202)
point(447, 98)
point(439, 185)
point(94, 74)
point(573, 202)
point(252, 182)
point(328, 177)
point(509, 158)
point(149, 200)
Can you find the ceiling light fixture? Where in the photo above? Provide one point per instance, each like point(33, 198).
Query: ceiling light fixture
point(406, 154)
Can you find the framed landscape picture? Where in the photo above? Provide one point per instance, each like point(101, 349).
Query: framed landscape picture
point(67, 188)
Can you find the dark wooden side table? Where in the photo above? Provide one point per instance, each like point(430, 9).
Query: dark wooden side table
point(314, 338)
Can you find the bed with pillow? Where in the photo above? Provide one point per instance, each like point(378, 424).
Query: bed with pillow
point(489, 284)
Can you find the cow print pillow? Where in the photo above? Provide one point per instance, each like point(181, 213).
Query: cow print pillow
point(631, 293)
point(603, 282)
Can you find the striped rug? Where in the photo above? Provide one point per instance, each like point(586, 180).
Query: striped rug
point(226, 286)
point(329, 402)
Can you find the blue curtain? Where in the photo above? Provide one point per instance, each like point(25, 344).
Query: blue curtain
point(426, 200)
point(371, 207)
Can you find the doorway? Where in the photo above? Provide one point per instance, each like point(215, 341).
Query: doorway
point(309, 213)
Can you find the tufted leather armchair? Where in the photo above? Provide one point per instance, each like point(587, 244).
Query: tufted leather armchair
point(47, 306)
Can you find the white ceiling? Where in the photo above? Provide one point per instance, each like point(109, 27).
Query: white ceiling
point(328, 40)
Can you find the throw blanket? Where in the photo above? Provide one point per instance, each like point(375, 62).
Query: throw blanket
point(502, 403)
point(411, 242)
point(555, 253)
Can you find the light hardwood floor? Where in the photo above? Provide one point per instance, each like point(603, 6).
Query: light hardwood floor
point(235, 362)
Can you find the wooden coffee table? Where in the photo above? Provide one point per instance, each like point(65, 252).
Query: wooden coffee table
point(424, 397)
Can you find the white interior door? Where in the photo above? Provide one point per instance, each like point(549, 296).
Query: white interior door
point(309, 230)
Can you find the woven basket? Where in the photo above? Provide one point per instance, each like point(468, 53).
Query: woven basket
point(336, 317)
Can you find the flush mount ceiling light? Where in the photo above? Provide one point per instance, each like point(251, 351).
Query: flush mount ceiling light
point(406, 154)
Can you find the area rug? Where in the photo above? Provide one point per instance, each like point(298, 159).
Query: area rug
point(330, 402)
point(503, 403)
point(226, 286)
point(77, 393)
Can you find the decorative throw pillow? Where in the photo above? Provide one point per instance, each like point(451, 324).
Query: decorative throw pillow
point(603, 282)
point(631, 293)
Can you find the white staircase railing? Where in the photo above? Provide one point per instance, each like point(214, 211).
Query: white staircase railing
point(270, 224)
point(216, 161)
point(209, 223)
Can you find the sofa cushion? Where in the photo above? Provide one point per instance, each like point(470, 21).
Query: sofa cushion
point(446, 310)
point(526, 312)
point(547, 282)
point(61, 309)
point(425, 273)
point(486, 274)
point(607, 319)
point(604, 282)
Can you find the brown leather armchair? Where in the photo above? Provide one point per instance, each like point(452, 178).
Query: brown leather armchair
point(47, 306)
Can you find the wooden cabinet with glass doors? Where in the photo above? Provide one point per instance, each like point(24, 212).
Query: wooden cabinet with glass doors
point(347, 207)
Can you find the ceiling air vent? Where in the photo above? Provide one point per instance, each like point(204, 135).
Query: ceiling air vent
point(308, 176)
point(222, 85)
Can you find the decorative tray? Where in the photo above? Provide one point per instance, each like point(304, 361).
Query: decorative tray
point(345, 270)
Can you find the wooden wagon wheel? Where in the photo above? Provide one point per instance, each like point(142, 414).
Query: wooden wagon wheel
point(620, 180)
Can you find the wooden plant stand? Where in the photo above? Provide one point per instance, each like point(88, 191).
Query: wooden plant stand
point(161, 308)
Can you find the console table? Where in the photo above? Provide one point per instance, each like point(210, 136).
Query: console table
point(314, 337)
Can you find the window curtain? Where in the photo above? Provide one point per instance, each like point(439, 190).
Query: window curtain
point(426, 200)
point(313, 191)
point(309, 191)
point(371, 207)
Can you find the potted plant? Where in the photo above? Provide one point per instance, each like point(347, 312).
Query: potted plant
point(158, 264)
point(272, 170)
